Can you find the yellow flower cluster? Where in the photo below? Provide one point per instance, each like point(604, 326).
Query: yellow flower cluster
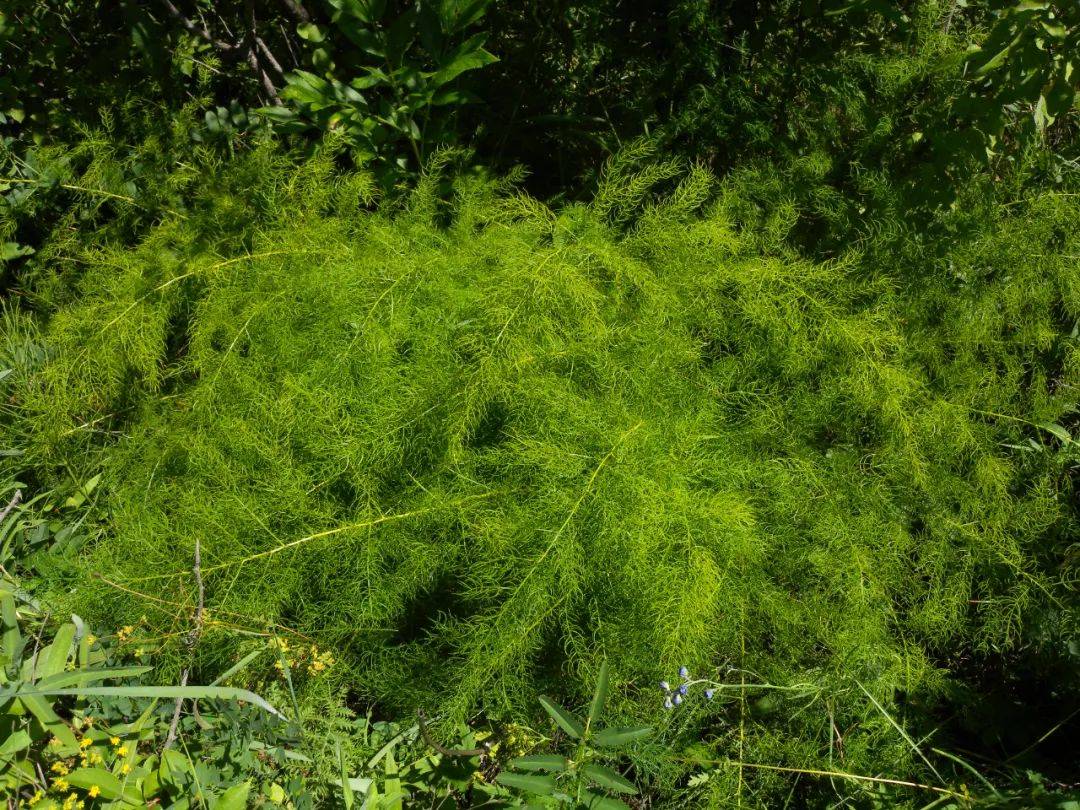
point(521, 739)
point(303, 656)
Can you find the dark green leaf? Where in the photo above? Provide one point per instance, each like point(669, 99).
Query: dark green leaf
point(610, 737)
point(111, 788)
point(600, 696)
point(467, 56)
point(595, 801)
point(540, 785)
point(540, 762)
point(566, 721)
point(607, 778)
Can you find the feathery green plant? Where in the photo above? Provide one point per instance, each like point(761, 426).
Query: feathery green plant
point(470, 442)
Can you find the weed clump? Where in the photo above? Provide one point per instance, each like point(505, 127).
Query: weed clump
point(472, 445)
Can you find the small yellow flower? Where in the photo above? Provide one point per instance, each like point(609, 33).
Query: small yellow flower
point(122, 751)
point(139, 652)
point(55, 741)
point(69, 802)
point(61, 784)
point(125, 769)
point(37, 797)
point(85, 742)
point(94, 791)
point(90, 639)
point(94, 758)
point(124, 633)
point(114, 740)
point(60, 768)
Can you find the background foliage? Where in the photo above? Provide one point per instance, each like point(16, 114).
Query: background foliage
point(482, 342)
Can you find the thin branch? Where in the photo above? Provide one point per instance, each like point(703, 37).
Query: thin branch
point(264, 79)
point(265, 51)
point(199, 31)
point(288, 44)
point(16, 499)
point(252, 39)
point(192, 640)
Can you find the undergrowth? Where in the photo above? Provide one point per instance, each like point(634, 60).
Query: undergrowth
point(474, 445)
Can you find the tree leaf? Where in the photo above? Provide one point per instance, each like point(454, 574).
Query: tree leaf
point(566, 721)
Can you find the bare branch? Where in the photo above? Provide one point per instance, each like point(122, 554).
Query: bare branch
point(297, 10)
point(265, 51)
point(16, 499)
point(267, 84)
point(197, 30)
point(252, 54)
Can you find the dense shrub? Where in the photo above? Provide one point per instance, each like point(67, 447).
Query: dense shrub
point(473, 444)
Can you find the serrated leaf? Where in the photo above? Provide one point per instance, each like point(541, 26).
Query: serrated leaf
point(611, 737)
point(564, 719)
point(539, 785)
point(540, 762)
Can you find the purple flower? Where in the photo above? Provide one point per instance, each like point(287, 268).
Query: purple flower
point(667, 703)
point(677, 700)
point(709, 693)
point(665, 686)
point(684, 672)
point(684, 689)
